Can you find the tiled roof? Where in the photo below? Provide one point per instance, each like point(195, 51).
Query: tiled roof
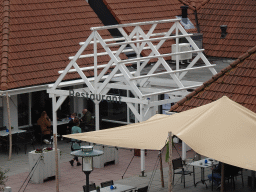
point(131, 11)
point(38, 36)
point(237, 81)
point(239, 16)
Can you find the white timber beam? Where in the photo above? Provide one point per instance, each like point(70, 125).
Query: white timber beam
point(134, 24)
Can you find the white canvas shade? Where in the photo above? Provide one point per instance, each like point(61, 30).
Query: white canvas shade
point(223, 130)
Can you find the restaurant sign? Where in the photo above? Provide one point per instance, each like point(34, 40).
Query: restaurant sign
point(97, 97)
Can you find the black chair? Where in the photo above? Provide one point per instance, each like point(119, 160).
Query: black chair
point(232, 172)
point(107, 183)
point(142, 189)
point(38, 133)
point(177, 164)
point(25, 139)
point(91, 187)
point(6, 143)
point(240, 173)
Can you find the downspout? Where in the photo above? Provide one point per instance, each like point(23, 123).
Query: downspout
point(196, 19)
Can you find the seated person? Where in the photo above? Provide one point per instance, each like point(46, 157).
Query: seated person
point(229, 170)
point(71, 122)
point(216, 174)
point(86, 119)
point(75, 143)
point(45, 124)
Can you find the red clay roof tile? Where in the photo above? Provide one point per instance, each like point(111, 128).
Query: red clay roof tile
point(238, 84)
point(43, 34)
point(240, 27)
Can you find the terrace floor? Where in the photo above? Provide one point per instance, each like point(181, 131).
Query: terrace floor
point(72, 178)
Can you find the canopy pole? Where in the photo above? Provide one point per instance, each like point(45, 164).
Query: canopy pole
point(170, 163)
point(222, 177)
point(161, 168)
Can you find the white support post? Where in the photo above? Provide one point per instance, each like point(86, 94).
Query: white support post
point(184, 151)
point(138, 55)
point(177, 49)
point(95, 61)
point(97, 115)
point(128, 109)
point(142, 151)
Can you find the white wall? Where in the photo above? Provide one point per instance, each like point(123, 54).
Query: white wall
point(13, 111)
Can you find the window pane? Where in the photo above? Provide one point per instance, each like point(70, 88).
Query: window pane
point(40, 102)
point(23, 104)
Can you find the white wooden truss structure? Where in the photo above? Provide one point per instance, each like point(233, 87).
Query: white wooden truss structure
point(142, 85)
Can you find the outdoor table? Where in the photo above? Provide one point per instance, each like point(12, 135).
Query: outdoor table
point(201, 163)
point(4, 133)
point(63, 121)
point(119, 188)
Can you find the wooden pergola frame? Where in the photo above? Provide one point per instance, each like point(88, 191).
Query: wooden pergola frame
point(134, 81)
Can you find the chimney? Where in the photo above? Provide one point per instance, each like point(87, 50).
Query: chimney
point(184, 13)
point(223, 31)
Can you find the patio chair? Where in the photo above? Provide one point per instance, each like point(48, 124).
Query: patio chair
point(142, 189)
point(177, 164)
point(107, 183)
point(91, 187)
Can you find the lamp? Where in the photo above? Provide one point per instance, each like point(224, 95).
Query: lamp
point(87, 153)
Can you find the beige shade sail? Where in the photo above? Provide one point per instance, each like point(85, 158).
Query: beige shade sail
point(223, 130)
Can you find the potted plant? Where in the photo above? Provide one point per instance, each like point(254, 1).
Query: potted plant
point(3, 178)
point(98, 188)
point(39, 150)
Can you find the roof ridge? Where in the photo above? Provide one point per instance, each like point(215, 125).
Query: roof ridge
point(5, 44)
point(215, 77)
point(189, 6)
point(192, 4)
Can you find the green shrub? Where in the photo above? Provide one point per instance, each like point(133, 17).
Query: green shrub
point(3, 178)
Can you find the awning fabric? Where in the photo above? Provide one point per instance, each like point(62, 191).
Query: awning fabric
point(223, 130)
